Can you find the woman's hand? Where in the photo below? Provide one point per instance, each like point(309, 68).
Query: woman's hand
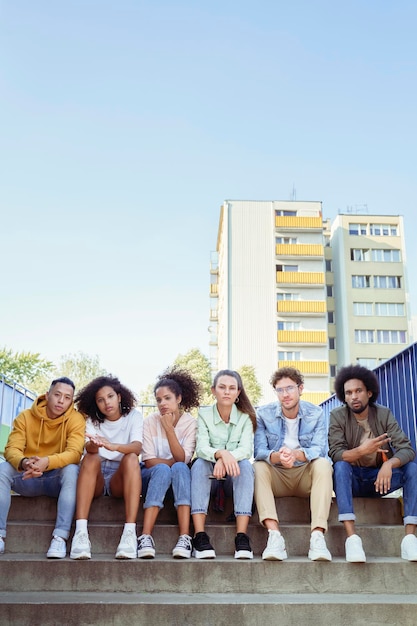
point(230, 465)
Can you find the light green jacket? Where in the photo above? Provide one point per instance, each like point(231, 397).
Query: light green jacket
point(213, 434)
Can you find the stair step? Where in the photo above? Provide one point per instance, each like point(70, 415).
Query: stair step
point(222, 609)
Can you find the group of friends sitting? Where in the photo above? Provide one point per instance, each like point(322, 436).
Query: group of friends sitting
point(79, 448)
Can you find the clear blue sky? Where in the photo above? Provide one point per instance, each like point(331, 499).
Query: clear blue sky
point(125, 124)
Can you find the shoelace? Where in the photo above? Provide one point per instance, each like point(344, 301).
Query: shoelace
point(183, 542)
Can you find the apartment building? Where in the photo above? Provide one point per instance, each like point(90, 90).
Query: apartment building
point(272, 301)
point(371, 295)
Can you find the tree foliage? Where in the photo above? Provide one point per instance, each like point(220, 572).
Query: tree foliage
point(80, 367)
point(26, 368)
point(251, 383)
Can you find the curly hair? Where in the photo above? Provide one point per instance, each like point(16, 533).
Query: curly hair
point(287, 372)
point(86, 398)
point(359, 372)
point(244, 404)
point(181, 383)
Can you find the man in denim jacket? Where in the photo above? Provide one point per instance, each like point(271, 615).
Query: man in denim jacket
point(290, 460)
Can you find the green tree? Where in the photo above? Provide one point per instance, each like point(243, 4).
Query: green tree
point(26, 368)
point(81, 368)
point(199, 365)
point(251, 383)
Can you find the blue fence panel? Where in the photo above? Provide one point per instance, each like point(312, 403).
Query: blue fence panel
point(398, 390)
point(14, 398)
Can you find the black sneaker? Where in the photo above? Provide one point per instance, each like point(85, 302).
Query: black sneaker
point(202, 548)
point(243, 549)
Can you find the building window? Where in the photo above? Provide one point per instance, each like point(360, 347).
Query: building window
point(333, 371)
point(360, 254)
point(286, 295)
point(329, 266)
point(329, 291)
point(389, 309)
point(281, 213)
point(286, 240)
point(386, 256)
point(361, 282)
point(391, 336)
point(289, 325)
point(362, 308)
point(357, 229)
point(369, 363)
point(287, 268)
point(383, 230)
point(364, 336)
point(332, 343)
point(289, 356)
point(387, 282)
point(330, 317)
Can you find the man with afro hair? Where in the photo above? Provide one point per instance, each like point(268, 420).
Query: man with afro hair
point(372, 457)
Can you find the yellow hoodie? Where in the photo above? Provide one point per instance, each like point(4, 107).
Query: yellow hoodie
point(35, 434)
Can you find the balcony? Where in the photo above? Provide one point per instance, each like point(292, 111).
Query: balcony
point(214, 290)
point(298, 223)
point(317, 368)
point(311, 337)
point(316, 397)
point(311, 279)
point(308, 307)
point(307, 250)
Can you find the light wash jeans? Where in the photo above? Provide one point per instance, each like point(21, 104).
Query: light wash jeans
point(241, 486)
point(351, 481)
point(158, 479)
point(58, 483)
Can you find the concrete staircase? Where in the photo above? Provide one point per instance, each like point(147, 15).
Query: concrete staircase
point(36, 591)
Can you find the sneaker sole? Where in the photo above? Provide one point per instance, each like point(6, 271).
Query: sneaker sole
point(274, 557)
point(181, 554)
point(204, 554)
point(146, 554)
point(319, 557)
point(56, 556)
point(125, 555)
point(83, 556)
point(243, 554)
point(354, 559)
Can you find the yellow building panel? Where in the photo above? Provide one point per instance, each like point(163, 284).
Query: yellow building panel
point(298, 306)
point(315, 397)
point(298, 222)
point(307, 367)
point(302, 336)
point(214, 289)
point(305, 278)
point(299, 249)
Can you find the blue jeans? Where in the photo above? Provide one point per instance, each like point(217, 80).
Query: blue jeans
point(351, 482)
point(241, 486)
point(58, 483)
point(158, 479)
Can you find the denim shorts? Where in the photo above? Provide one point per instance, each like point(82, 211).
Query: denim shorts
point(108, 468)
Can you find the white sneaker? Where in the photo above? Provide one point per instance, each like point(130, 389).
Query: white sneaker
point(146, 547)
point(318, 549)
point(275, 547)
point(409, 548)
point(183, 548)
point(81, 546)
point(57, 549)
point(1, 545)
point(128, 546)
point(354, 550)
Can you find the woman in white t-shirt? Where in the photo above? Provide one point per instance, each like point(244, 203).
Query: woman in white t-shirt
point(114, 433)
point(168, 445)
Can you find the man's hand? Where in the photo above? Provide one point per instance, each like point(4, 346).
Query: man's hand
point(287, 457)
point(378, 444)
point(35, 466)
point(383, 479)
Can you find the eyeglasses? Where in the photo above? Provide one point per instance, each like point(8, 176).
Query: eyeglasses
point(290, 389)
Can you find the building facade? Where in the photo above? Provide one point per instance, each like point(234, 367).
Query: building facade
point(372, 304)
point(289, 290)
point(272, 301)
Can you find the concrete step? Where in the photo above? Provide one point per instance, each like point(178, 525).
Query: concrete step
point(222, 575)
point(34, 538)
point(368, 510)
point(220, 609)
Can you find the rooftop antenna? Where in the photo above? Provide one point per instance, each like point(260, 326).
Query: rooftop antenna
point(293, 194)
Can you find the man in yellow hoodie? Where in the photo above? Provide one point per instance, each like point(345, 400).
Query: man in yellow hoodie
point(42, 456)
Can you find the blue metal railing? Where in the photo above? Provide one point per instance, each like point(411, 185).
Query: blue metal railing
point(14, 398)
point(397, 379)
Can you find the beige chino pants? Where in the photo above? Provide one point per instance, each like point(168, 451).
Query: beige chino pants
point(312, 479)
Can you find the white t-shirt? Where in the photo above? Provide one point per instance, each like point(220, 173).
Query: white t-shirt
point(124, 430)
point(291, 435)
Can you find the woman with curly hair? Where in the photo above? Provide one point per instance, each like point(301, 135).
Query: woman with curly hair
point(168, 445)
point(114, 433)
point(224, 449)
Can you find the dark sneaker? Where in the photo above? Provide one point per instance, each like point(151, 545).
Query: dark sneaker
point(202, 548)
point(146, 547)
point(243, 549)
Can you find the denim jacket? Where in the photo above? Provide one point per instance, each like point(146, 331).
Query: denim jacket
point(270, 433)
